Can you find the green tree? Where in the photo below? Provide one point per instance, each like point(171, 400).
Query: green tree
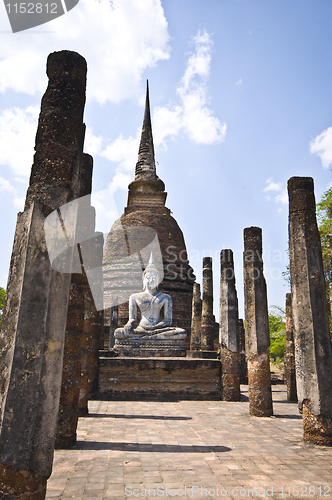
point(2, 301)
point(277, 326)
point(324, 219)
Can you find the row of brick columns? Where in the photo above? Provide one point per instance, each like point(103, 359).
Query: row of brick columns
point(308, 357)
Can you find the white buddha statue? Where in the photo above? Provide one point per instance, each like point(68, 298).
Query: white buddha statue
point(151, 303)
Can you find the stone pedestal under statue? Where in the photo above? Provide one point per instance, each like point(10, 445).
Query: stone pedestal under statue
point(146, 348)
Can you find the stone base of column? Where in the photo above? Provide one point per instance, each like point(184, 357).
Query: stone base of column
point(202, 354)
point(259, 381)
point(21, 485)
point(67, 426)
point(315, 430)
point(230, 375)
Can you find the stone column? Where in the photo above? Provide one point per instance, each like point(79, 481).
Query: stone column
point(289, 362)
point(257, 325)
point(207, 321)
point(114, 321)
point(91, 341)
point(310, 317)
point(229, 329)
point(195, 339)
point(34, 319)
point(86, 348)
point(243, 359)
point(71, 372)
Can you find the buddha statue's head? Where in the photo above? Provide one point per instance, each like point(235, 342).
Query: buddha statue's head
point(150, 275)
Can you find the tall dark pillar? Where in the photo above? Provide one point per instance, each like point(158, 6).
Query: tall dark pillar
point(311, 326)
point(289, 362)
point(229, 329)
point(92, 338)
point(114, 322)
point(34, 319)
point(207, 322)
point(79, 287)
point(243, 359)
point(195, 338)
point(257, 325)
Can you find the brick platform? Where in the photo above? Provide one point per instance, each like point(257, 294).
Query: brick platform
point(161, 379)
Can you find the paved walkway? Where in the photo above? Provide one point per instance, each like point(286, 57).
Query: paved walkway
point(191, 449)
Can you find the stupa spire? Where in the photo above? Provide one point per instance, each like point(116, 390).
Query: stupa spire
point(147, 189)
point(146, 166)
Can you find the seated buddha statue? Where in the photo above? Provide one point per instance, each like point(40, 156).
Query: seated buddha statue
point(151, 304)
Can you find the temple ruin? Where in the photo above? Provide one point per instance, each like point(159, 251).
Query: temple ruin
point(160, 343)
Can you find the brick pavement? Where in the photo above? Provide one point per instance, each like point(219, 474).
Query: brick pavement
point(213, 448)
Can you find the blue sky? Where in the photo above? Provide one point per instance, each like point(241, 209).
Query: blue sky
point(241, 101)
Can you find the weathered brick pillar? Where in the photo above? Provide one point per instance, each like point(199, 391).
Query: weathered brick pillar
point(93, 329)
point(195, 338)
point(243, 359)
point(34, 319)
point(114, 321)
point(97, 325)
point(257, 325)
point(71, 372)
point(311, 327)
point(289, 363)
point(229, 329)
point(86, 348)
point(207, 322)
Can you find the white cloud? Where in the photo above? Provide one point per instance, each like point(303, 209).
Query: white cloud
point(239, 82)
point(19, 203)
point(17, 138)
point(282, 197)
point(123, 151)
point(322, 146)
point(106, 209)
point(92, 143)
point(273, 186)
point(120, 181)
point(192, 116)
point(166, 123)
point(132, 35)
point(5, 186)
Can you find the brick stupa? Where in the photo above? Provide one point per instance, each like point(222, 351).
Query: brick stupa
point(146, 216)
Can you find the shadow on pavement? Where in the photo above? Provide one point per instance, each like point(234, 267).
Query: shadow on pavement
point(151, 417)
point(147, 447)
